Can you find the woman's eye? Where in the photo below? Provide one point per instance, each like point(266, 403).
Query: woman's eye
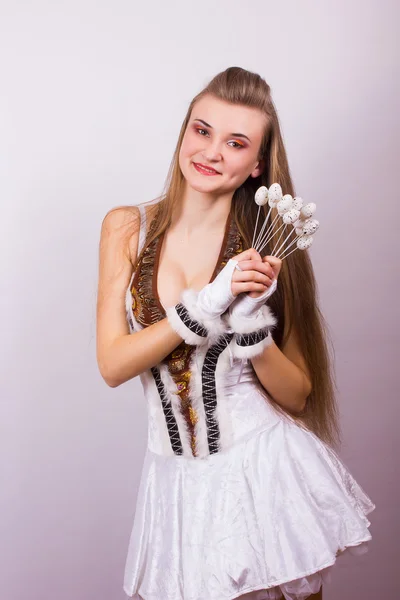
point(238, 145)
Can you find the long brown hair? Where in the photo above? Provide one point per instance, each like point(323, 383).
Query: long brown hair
point(296, 298)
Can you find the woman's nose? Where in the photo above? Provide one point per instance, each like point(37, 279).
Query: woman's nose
point(213, 151)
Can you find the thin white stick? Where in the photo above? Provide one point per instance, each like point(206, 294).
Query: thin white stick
point(294, 250)
point(260, 238)
point(284, 242)
point(262, 228)
point(283, 231)
point(261, 242)
point(289, 246)
point(261, 231)
point(267, 237)
point(255, 228)
point(273, 233)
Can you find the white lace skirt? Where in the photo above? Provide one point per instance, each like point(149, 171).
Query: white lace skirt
point(267, 517)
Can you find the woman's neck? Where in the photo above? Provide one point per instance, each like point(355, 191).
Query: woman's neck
point(200, 211)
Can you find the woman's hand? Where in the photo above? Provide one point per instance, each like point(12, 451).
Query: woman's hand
point(198, 315)
point(256, 274)
point(261, 280)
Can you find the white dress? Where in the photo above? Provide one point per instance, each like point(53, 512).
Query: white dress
point(262, 518)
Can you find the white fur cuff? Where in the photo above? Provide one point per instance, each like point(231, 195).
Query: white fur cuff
point(250, 345)
point(262, 319)
point(191, 331)
point(191, 324)
point(215, 326)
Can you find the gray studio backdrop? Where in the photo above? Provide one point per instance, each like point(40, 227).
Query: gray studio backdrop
point(91, 101)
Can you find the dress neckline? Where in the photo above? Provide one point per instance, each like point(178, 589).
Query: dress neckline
point(214, 273)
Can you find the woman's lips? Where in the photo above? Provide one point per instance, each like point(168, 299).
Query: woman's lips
point(205, 170)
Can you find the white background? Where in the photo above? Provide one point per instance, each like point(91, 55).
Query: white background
point(92, 96)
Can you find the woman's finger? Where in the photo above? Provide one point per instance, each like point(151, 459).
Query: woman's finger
point(256, 265)
point(248, 286)
point(274, 262)
point(250, 254)
point(256, 276)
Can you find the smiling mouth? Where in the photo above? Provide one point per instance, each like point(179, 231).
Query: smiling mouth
point(205, 170)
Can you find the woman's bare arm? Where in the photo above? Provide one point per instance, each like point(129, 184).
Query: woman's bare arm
point(122, 355)
point(284, 375)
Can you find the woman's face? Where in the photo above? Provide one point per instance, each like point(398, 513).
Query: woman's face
point(225, 138)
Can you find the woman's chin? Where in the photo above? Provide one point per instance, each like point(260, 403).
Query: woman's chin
point(201, 183)
point(205, 189)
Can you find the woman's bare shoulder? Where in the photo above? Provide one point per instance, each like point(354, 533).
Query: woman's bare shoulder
point(122, 224)
point(121, 215)
point(120, 230)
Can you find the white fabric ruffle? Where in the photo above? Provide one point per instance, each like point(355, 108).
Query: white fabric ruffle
point(265, 517)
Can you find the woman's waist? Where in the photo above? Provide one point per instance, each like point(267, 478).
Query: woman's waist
point(233, 387)
point(206, 416)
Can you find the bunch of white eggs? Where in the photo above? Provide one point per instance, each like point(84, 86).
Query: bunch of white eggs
point(293, 212)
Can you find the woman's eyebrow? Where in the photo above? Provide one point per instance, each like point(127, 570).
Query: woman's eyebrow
point(234, 134)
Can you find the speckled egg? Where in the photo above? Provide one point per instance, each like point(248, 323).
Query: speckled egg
point(311, 227)
point(291, 216)
point(308, 210)
point(304, 242)
point(300, 222)
point(285, 204)
point(261, 196)
point(297, 202)
point(275, 193)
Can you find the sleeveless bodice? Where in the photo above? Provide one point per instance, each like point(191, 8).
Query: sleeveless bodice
point(146, 304)
point(198, 397)
point(147, 309)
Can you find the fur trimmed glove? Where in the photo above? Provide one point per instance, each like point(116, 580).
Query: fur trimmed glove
point(251, 320)
point(197, 318)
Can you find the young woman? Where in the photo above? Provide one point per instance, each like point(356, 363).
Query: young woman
point(242, 493)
